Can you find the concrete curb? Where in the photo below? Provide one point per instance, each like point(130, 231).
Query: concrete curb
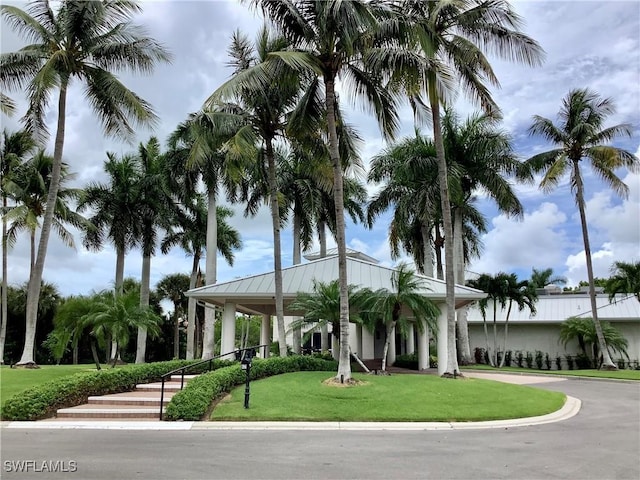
point(570, 408)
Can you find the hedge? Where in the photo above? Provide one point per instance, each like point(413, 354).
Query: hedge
point(44, 400)
point(193, 402)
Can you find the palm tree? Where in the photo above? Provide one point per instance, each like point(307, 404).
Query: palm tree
point(155, 205)
point(625, 279)
point(7, 105)
point(29, 192)
point(523, 294)
point(172, 287)
point(113, 316)
point(453, 37)
point(329, 40)
point(322, 307)
point(13, 151)
point(542, 278)
point(87, 41)
point(261, 112)
point(496, 288)
point(581, 135)
point(584, 331)
point(407, 294)
point(191, 237)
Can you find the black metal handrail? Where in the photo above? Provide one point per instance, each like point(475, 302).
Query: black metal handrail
point(182, 370)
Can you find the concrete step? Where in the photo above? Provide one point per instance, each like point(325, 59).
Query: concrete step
point(176, 378)
point(157, 387)
point(110, 412)
point(149, 401)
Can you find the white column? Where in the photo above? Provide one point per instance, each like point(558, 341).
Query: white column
point(442, 339)
point(423, 348)
point(324, 340)
point(228, 343)
point(358, 346)
point(367, 345)
point(265, 335)
point(391, 354)
point(411, 343)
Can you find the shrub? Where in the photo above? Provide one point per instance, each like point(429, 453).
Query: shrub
point(508, 358)
point(529, 359)
point(407, 361)
point(519, 359)
point(193, 402)
point(479, 355)
point(44, 400)
point(583, 361)
point(569, 361)
point(433, 361)
point(558, 363)
point(547, 361)
point(621, 363)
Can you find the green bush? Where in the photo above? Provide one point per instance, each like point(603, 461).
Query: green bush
point(193, 402)
point(44, 400)
point(409, 361)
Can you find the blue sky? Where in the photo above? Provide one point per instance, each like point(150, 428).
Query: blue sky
point(588, 44)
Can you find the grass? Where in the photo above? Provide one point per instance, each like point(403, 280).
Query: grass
point(302, 396)
point(15, 380)
point(617, 374)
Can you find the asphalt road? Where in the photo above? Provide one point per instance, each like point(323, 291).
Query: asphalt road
point(601, 442)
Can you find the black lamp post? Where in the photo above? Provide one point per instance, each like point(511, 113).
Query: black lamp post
point(245, 364)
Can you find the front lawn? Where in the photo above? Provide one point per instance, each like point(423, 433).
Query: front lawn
point(15, 380)
point(302, 396)
point(617, 374)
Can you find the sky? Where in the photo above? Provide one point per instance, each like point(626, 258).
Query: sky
point(587, 44)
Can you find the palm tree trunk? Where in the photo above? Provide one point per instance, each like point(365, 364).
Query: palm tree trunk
point(387, 341)
point(452, 359)
point(141, 349)
point(322, 238)
point(506, 334)
point(344, 364)
point(277, 249)
point(297, 259)
point(120, 255)
point(607, 363)
point(191, 310)
point(35, 278)
point(494, 354)
point(438, 248)
point(176, 332)
point(4, 316)
point(486, 337)
point(463, 328)
point(428, 251)
point(211, 274)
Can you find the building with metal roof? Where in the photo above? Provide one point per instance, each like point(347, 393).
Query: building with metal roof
point(255, 295)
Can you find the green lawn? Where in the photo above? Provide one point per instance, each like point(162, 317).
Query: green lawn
point(14, 380)
point(302, 396)
point(618, 374)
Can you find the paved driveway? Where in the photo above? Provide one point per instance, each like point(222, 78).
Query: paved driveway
point(601, 442)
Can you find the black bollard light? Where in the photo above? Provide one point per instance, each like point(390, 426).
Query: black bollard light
point(245, 364)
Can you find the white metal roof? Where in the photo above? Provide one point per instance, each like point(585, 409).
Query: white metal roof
point(350, 253)
point(255, 294)
point(557, 308)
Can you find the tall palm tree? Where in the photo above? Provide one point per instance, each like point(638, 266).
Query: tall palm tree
point(625, 279)
point(544, 277)
point(190, 235)
point(14, 149)
point(155, 205)
point(262, 112)
point(330, 39)
point(85, 41)
point(452, 38)
point(581, 135)
point(408, 295)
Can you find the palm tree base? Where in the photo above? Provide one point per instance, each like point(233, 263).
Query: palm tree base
point(452, 375)
point(608, 368)
point(29, 365)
